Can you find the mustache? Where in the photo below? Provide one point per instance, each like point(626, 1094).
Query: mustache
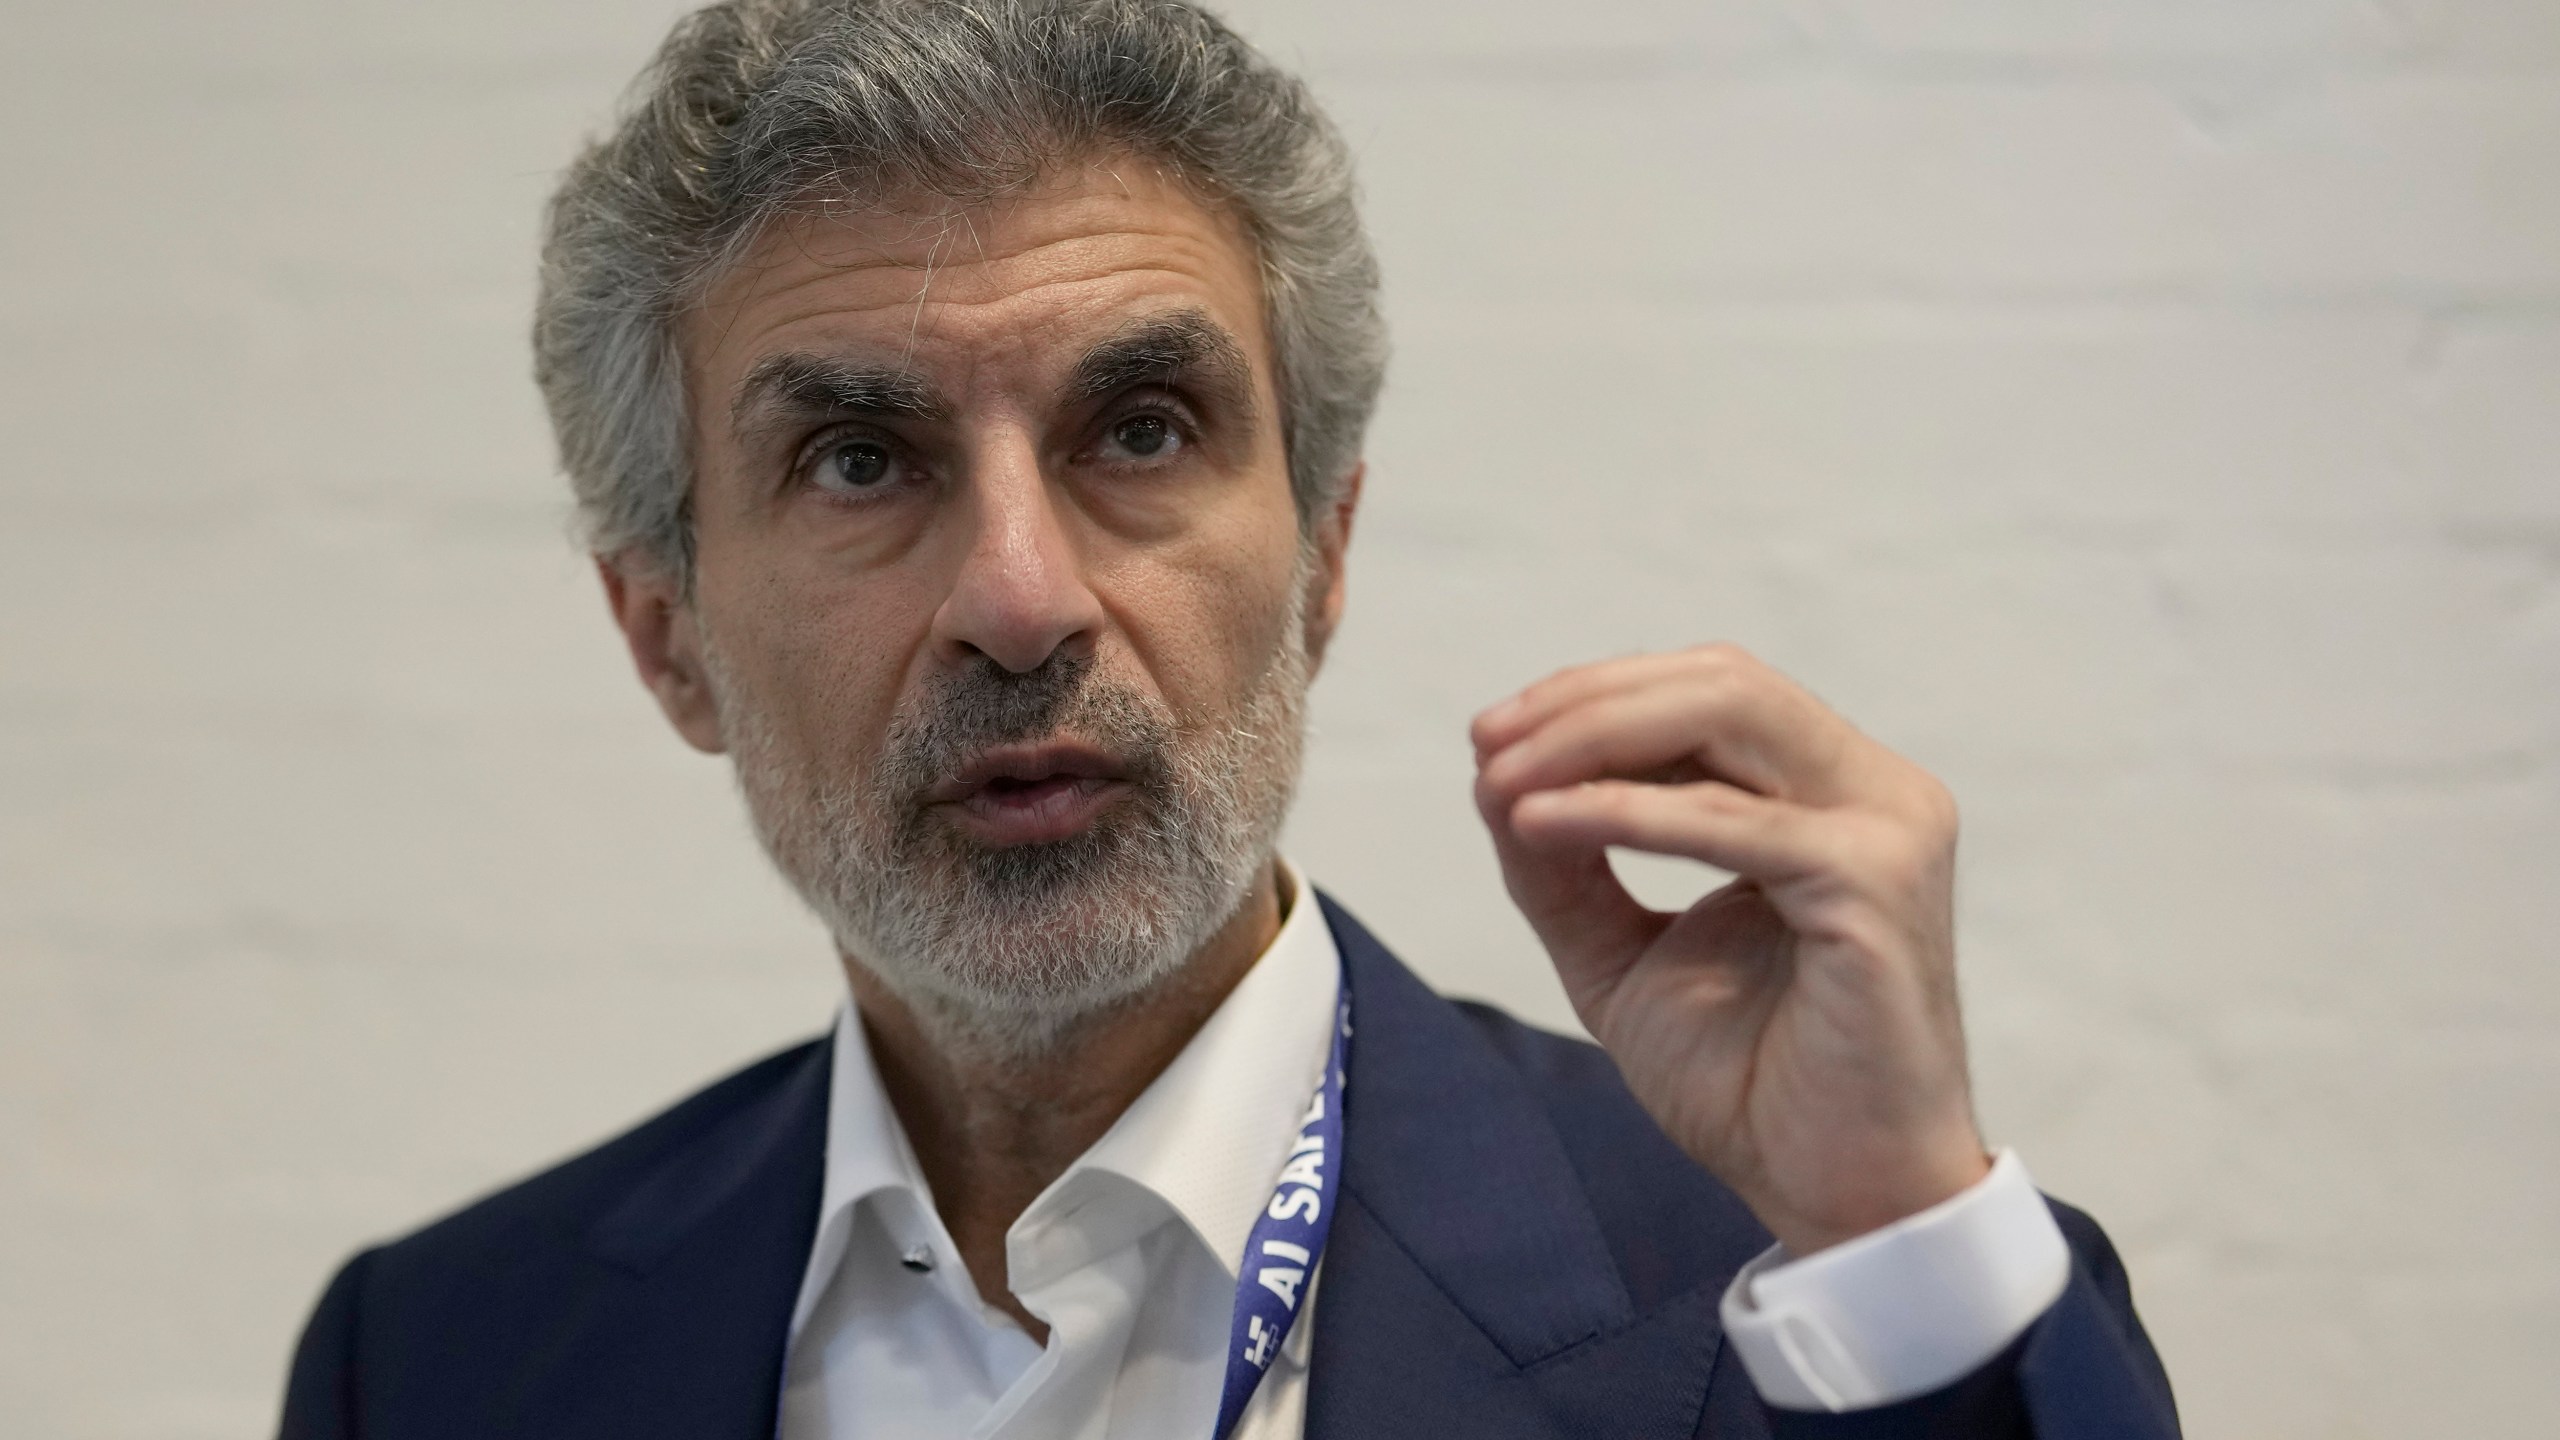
point(982, 705)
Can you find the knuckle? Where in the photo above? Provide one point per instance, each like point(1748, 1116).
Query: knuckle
point(1720, 690)
point(1935, 804)
point(1546, 686)
point(1866, 850)
point(1712, 697)
point(1718, 655)
point(1717, 798)
point(1892, 858)
point(1615, 799)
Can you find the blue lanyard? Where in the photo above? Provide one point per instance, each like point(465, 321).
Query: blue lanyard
point(1288, 1237)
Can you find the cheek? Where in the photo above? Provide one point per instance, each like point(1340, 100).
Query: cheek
point(1205, 624)
point(823, 665)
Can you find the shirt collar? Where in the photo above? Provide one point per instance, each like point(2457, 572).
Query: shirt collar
point(1206, 1139)
point(1210, 1135)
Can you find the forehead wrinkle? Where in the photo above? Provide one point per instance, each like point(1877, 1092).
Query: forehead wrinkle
point(899, 319)
point(858, 279)
point(931, 241)
point(898, 326)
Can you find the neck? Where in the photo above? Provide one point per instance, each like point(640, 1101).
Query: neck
point(992, 1131)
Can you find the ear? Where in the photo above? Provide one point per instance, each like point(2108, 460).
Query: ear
point(659, 624)
point(1333, 547)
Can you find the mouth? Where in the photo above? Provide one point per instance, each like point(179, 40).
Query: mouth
point(1031, 794)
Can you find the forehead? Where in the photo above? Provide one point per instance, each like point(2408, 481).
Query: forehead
point(978, 294)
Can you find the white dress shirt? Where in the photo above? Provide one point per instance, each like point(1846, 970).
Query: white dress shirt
point(1129, 1258)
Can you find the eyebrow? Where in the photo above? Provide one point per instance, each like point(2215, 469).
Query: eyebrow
point(1184, 347)
point(782, 389)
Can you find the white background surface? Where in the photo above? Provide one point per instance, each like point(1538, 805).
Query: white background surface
point(2144, 412)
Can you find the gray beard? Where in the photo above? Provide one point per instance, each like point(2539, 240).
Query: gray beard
point(1007, 953)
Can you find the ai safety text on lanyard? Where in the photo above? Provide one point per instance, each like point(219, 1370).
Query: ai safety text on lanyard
point(1288, 1237)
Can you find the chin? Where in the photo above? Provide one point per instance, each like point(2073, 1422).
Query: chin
point(1014, 948)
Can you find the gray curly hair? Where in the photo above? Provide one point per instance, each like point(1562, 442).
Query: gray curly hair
point(755, 107)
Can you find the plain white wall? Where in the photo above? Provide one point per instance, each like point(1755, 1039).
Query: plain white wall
point(2144, 412)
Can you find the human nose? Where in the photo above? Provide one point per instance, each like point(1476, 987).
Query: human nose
point(1020, 595)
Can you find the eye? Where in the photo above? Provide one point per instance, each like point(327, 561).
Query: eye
point(854, 465)
point(1143, 436)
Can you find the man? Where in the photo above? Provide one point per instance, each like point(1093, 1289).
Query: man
point(965, 400)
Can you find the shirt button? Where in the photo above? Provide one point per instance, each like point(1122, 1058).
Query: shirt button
point(919, 1258)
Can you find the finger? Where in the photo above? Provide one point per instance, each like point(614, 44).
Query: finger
point(1749, 729)
point(1568, 893)
point(1501, 724)
point(1732, 829)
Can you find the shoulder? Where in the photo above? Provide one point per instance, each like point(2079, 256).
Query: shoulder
point(1624, 1159)
point(1462, 1067)
point(1568, 1070)
point(1446, 1092)
point(560, 1209)
point(1670, 1225)
point(498, 1318)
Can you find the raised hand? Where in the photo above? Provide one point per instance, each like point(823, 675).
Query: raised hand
point(1796, 1031)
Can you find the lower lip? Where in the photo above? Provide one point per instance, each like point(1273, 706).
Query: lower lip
point(1052, 810)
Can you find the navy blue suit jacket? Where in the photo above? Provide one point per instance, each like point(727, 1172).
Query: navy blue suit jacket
point(1520, 1253)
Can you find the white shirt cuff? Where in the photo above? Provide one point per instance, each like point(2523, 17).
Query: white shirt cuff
point(1901, 1311)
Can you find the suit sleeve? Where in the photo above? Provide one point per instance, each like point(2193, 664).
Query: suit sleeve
point(2084, 1371)
point(319, 1398)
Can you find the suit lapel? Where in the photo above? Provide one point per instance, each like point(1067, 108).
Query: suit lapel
point(682, 1328)
point(1469, 1286)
